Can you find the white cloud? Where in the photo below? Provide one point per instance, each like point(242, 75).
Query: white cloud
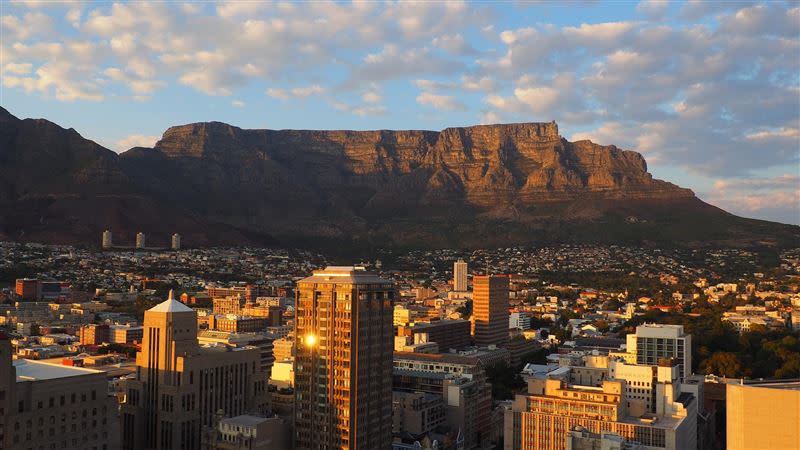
point(360, 110)
point(135, 140)
point(233, 8)
point(655, 9)
point(455, 44)
point(298, 92)
point(444, 102)
point(60, 80)
point(776, 198)
point(135, 84)
point(782, 133)
point(32, 24)
point(280, 94)
point(371, 97)
point(238, 103)
point(307, 91)
point(18, 69)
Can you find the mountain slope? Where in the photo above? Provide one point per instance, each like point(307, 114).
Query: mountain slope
point(56, 186)
point(474, 186)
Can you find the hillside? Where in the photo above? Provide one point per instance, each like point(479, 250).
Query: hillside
point(488, 185)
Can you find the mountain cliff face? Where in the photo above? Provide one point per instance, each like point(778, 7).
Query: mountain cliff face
point(474, 186)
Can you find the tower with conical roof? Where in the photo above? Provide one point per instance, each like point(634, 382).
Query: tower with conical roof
point(170, 331)
point(180, 386)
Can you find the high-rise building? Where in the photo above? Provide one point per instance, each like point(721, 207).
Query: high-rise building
point(140, 240)
point(490, 309)
point(176, 241)
point(763, 415)
point(107, 241)
point(343, 363)
point(181, 389)
point(653, 342)
point(460, 276)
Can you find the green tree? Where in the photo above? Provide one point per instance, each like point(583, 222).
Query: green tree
point(726, 364)
point(466, 310)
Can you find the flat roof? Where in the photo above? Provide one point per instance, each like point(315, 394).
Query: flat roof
point(792, 384)
point(245, 420)
point(344, 274)
point(29, 370)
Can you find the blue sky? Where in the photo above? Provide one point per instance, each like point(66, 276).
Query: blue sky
point(708, 92)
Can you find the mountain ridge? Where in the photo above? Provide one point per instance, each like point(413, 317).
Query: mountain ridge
point(470, 186)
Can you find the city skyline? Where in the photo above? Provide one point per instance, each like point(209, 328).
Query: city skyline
point(400, 225)
point(704, 91)
point(310, 357)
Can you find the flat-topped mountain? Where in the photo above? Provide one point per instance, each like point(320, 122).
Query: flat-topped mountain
point(468, 187)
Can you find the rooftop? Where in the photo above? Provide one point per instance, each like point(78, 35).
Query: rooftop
point(170, 305)
point(792, 384)
point(28, 370)
point(344, 274)
point(244, 420)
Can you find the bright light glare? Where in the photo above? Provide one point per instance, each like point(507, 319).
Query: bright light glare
point(311, 340)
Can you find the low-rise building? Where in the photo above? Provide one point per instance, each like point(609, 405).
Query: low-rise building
point(54, 406)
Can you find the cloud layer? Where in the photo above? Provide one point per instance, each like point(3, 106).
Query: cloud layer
point(709, 88)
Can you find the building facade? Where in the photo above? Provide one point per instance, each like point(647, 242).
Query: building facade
point(490, 310)
point(460, 381)
point(545, 417)
point(653, 342)
point(460, 276)
point(140, 243)
point(53, 406)
point(182, 389)
point(343, 363)
point(449, 334)
point(763, 415)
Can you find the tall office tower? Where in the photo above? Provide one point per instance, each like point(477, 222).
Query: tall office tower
point(460, 275)
point(140, 240)
point(176, 241)
point(181, 388)
point(343, 362)
point(107, 241)
point(653, 342)
point(763, 414)
point(490, 309)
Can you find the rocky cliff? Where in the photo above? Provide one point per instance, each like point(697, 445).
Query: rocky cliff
point(473, 186)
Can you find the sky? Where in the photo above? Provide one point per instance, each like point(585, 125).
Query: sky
point(708, 92)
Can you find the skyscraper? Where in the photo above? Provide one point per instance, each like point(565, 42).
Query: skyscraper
point(460, 276)
point(181, 387)
point(176, 241)
point(140, 240)
point(343, 363)
point(490, 309)
point(107, 241)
